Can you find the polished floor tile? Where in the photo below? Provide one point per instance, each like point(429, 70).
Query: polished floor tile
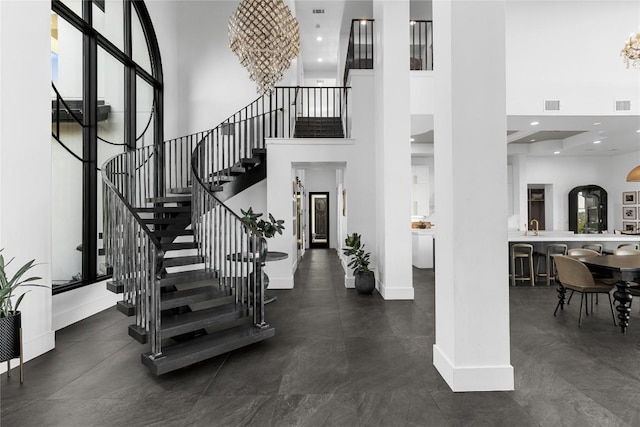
point(338, 359)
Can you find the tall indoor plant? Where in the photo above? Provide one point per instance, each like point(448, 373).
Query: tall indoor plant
point(10, 316)
point(364, 278)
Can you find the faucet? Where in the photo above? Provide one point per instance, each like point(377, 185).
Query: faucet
point(536, 232)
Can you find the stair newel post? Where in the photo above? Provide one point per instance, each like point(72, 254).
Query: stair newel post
point(155, 314)
point(261, 277)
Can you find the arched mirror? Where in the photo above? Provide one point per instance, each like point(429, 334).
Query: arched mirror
point(588, 209)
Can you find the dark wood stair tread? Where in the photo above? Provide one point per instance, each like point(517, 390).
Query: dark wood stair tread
point(166, 221)
point(173, 232)
point(174, 325)
point(191, 296)
point(188, 277)
point(170, 199)
point(182, 260)
point(205, 347)
point(164, 209)
point(176, 246)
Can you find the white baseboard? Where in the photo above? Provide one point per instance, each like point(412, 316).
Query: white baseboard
point(281, 282)
point(404, 293)
point(72, 306)
point(349, 282)
point(473, 378)
point(33, 348)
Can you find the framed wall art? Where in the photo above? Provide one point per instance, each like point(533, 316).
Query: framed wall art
point(629, 213)
point(629, 226)
point(629, 198)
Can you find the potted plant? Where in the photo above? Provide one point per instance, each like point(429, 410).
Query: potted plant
point(365, 281)
point(10, 317)
point(267, 228)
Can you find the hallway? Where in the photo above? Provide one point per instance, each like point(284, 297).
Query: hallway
point(338, 359)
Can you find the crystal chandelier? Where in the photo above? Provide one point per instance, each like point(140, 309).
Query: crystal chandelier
point(631, 51)
point(265, 36)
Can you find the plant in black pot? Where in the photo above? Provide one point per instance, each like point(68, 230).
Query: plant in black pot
point(267, 228)
point(10, 317)
point(365, 281)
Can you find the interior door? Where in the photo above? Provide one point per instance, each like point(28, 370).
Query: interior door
point(319, 220)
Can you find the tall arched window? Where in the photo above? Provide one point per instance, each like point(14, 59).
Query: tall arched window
point(106, 98)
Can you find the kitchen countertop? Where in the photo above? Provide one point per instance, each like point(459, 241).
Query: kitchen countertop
point(568, 236)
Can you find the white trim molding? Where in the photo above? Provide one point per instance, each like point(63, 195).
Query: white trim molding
point(473, 378)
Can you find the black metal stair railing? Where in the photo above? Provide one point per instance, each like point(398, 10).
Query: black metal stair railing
point(360, 49)
point(228, 245)
point(200, 163)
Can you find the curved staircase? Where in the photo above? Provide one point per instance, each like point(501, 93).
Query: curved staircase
point(182, 260)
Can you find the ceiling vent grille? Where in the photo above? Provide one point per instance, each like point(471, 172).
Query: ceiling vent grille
point(318, 11)
point(551, 105)
point(623, 105)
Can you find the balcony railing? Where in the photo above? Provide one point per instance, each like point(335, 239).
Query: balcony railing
point(360, 50)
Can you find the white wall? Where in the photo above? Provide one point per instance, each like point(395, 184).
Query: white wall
point(25, 158)
point(569, 51)
point(253, 197)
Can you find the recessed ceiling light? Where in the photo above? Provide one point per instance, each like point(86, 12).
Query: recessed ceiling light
point(319, 59)
point(597, 142)
point(319, 38)
point(534, 123)
point(412, 139)
point(597, 123)
point(556, 152)
point(532, 140)
point(638, 131)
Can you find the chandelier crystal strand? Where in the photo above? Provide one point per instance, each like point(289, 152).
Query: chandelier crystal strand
point(266, 38)
point(631, 51)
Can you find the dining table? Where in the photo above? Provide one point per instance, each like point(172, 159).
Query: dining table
point(625, 269)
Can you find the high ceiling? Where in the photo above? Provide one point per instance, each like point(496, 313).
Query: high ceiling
point(552, 136)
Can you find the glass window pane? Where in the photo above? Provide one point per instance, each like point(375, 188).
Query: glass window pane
point(74, 5)
point(140, 51)
point(111, 131)
point(144, 113)
point(66, 169)
point(110, 21)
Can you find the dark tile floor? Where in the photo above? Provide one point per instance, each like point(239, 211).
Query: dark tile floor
point(338, 359)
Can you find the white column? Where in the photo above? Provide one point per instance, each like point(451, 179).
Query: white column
point(25, 159)
point(472, 291)
point(393, 149)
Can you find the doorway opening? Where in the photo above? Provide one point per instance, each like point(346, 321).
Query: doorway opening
point(319, 219)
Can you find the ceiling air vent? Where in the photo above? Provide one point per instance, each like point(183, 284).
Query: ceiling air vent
point(623, 105)
point(318, 11)
point(551, 105)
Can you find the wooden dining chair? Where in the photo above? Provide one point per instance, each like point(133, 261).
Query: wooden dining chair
point(574, 275)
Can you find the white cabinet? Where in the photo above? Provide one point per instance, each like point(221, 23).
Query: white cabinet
point(420, 191)
point(422, 248)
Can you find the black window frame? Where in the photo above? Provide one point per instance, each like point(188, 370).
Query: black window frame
point(92, 40)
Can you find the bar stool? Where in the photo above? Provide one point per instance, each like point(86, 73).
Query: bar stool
point(550, 267)
point(594, 247)
point(522, 252)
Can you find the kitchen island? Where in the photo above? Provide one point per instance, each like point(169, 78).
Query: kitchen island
point(608, 241)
